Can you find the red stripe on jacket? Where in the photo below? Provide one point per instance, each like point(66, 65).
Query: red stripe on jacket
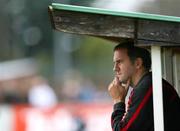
point(144, 101)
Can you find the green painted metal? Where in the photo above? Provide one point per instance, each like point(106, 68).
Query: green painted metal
point(135, 15)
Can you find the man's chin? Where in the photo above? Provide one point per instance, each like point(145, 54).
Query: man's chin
point(123, 81)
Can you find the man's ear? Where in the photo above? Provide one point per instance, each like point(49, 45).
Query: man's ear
point(138, 63)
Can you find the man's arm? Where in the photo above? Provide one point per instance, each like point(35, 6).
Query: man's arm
point(139, 114)
point(117, 115)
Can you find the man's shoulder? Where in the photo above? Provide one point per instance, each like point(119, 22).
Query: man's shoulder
point(169, 91)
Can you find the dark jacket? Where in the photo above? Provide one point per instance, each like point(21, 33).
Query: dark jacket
point(139, 115)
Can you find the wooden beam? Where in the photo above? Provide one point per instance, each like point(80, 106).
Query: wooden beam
point(93, 24)
point(163, 32)
point(145, 32)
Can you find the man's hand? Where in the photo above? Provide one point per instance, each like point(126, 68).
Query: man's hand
point(117, 91)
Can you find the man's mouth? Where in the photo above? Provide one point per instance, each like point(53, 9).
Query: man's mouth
point(118, 74)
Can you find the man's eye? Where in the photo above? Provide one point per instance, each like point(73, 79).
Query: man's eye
point(119, 61)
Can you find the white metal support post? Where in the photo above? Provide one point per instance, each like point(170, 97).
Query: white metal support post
point(157, 88)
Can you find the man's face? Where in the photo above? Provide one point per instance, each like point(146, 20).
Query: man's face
point(123, 67)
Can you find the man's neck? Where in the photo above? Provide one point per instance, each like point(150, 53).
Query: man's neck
point(138, 76)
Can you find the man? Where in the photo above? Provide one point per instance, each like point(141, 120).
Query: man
point(132, 68)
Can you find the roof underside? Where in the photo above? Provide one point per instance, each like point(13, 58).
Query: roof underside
point(144, 29)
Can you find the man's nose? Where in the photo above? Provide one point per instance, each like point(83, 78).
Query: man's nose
point(115, 68)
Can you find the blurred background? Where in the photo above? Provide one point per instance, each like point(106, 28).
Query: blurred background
point(53, 81)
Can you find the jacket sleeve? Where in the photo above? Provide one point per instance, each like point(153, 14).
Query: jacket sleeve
point(117, 115)
point(139, 115)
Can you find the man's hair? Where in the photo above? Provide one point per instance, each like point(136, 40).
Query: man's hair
point(136, 52)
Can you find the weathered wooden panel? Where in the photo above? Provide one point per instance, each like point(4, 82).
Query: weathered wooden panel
point(146, 42)
point(93, 24)
point(117, 28)
point(154, 32)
